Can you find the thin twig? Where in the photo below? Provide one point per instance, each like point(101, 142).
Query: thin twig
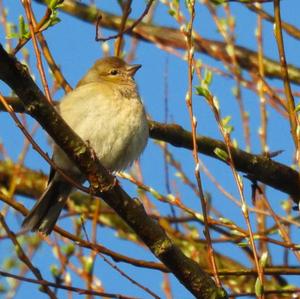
point(286, 80)
point(119, 41)
point(80, 291)
point(30, 18)
point(23, 257)
point(127, 30)
point(189, 103)
point(122, 273)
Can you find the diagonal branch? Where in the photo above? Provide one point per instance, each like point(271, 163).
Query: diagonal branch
point(103, 184)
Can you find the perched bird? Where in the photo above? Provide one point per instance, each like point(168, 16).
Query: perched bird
point(106, 111)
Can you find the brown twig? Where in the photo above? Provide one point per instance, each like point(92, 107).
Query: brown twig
point(126, 8)
point(286, 80)
point(127, 30)
point(282, 231)
point(240, 187)
point(80, 291)
point(233, 65)
point(193, 121)
point(288, 28)
point(32, 25)
point(23, 257)
point(122, 273)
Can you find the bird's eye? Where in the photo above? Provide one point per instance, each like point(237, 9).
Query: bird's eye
point(113, 72)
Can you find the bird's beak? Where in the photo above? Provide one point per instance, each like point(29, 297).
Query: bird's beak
point(132, 69)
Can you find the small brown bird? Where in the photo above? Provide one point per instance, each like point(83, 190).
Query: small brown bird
point(106, 111)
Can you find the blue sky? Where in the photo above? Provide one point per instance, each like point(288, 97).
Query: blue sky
point(74, 48)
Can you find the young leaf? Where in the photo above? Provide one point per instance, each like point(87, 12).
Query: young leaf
point(221, 154)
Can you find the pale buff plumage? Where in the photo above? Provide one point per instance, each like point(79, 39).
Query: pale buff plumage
point(105, 110)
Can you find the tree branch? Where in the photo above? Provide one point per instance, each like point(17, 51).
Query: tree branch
point(103, 184)
point(256, 167)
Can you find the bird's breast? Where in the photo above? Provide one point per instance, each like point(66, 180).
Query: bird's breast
point(115, 126)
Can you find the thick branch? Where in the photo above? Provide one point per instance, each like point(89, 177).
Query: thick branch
point(102, 183)
point(27, 186)
point(171, 37)
point(256, 167)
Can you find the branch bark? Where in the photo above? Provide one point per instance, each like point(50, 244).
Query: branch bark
point(256, 167)
point(103, 184)
point(244, 277)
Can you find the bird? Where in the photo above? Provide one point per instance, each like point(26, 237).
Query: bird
point(106, 111)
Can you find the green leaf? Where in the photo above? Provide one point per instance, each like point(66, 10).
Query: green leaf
point(225, 220)
point(12, 35)
point(12, 31)
point(226, 120)
point(221, 154)
point(202, 91)
point(225, 123)
point(198, 63)
point(21, 25)
point(54, 21)
point(207, 77)
point(264, 259)
point(236, 233)
point(54, 271)
point(218, 2)
point(10, 263)
point(54, 4)
point(235, 143)
point(2, 288)
point(172, 12)
point(88, 264)
point(259, 288)
point(68, 249)
point(23, 28)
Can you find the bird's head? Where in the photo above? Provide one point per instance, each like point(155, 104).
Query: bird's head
point(112, 69)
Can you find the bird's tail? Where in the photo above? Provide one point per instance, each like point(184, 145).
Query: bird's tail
point(45, 212)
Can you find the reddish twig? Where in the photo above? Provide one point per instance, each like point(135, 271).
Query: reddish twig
point(130, 28)
point(193, 120)
point(23, 257)
point(32, 25)
point(294, 123)
point(122, 273)
point(64, 287)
